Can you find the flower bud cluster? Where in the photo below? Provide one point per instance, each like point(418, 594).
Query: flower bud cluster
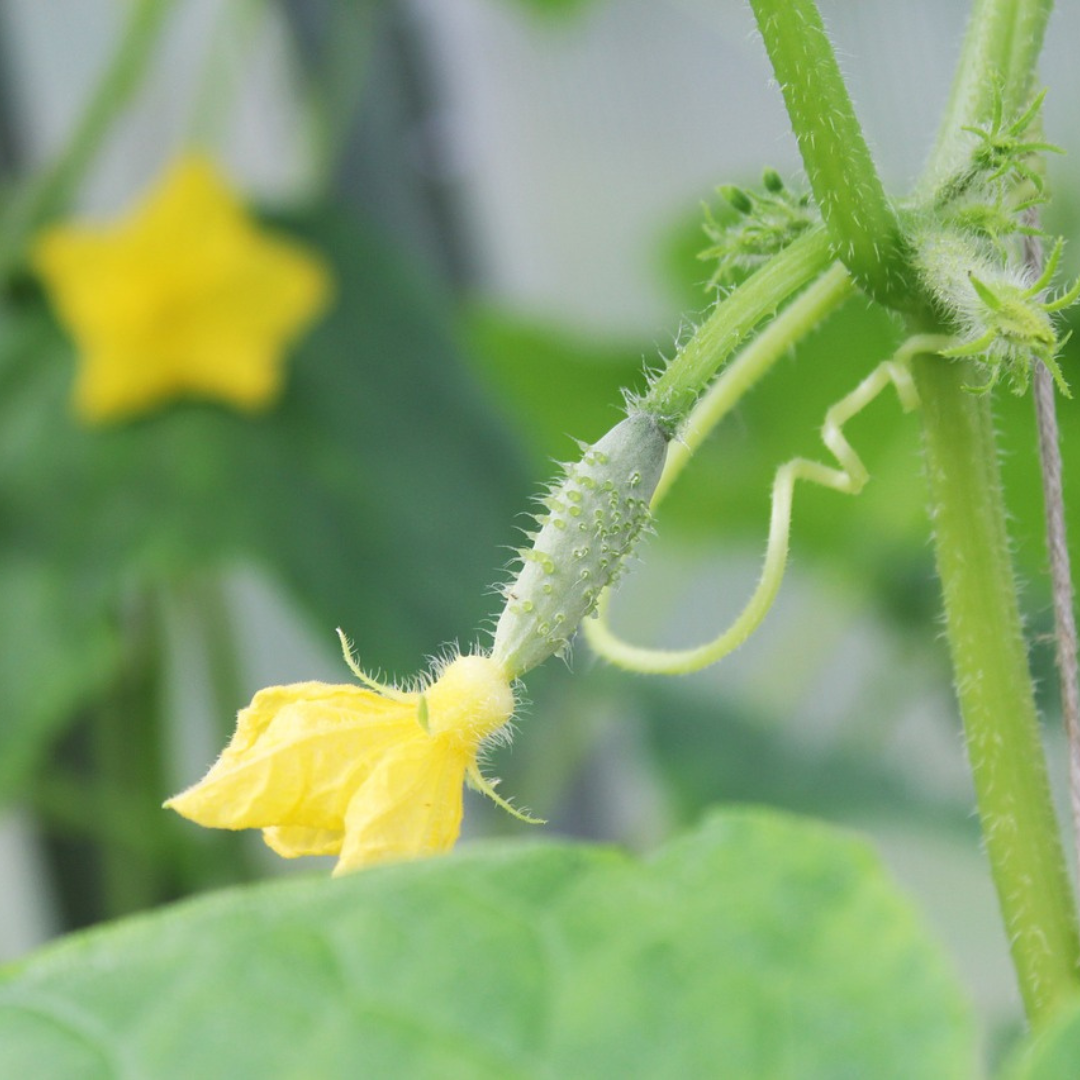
point(1004, 158)
point(766, 222)
point(967, 254)
point(1003, 316)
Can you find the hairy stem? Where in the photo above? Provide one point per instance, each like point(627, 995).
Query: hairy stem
point(673, 393)
point(797, 321)
point(1000, 50)
point(994, 686)
point(996, 69)
point(128, 743)
point(838, 163)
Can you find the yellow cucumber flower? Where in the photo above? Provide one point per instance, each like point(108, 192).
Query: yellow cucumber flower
point(184, 296)
point(368, 773)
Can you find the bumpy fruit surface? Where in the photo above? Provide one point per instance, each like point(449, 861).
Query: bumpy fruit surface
point(593, 517)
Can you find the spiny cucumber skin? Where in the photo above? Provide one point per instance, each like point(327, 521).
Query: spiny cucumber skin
point(594, 516)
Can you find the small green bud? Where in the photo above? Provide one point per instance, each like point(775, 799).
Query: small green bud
point(563, 574)
point(767, 221)
point(738, 198)
point(772, 181)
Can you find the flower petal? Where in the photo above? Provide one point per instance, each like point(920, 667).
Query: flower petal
point(410, 806)
point(298, 755)
point(291, 841)
point(186, 294)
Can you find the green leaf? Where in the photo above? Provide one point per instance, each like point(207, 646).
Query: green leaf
point(758, 946)
point(1051, 1054)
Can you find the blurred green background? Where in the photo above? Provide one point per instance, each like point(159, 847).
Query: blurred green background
point(509, 194)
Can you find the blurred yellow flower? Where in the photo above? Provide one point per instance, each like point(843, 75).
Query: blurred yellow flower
point(370, 774)
point(186, 295)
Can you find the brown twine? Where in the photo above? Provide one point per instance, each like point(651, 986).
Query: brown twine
point(1058, 550)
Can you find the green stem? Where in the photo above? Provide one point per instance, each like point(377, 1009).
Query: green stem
point(129, 754)
point(1022, 837)
point(796, 322)
point(206, 615)
point(338, 78)
point(97, 811)
point(994, 686)
point(50, 191)
point(673, 393)
point(223, 65)
point(212, 616)
point(838, 162)
point(1000, 50)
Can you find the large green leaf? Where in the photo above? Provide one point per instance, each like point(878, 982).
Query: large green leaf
point(1052, 1054)
point(758, 946)
point(379, 492)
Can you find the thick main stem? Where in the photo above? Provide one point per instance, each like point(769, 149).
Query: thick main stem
point(994, 686)
point(838, 163)
point(129, 753)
